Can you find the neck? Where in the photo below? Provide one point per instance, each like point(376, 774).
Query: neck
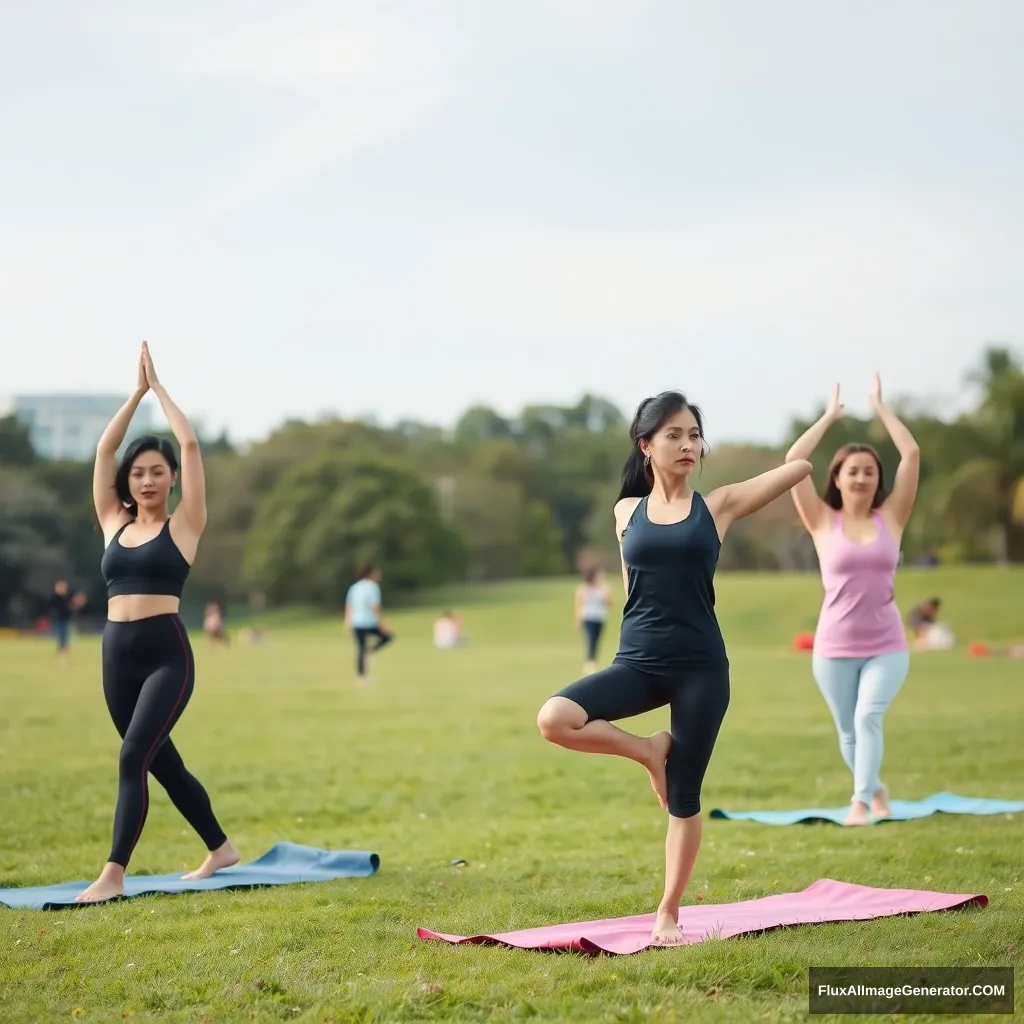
point(669, 489)
point(145, 518)
point(858, 510)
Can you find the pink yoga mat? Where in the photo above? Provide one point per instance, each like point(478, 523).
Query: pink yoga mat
point(823, 901)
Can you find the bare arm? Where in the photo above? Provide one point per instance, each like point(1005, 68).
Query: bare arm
point(900, 503)
point(623, 510)
point(812, 510)
point(109, 510)
point(735, 501)
point(193, 478)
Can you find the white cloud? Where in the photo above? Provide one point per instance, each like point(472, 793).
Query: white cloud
point(315, 142)
point(295, 56)
point(810, 261)
point(350, 89)
point(20, 290)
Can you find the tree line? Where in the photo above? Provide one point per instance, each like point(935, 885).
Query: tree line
point(496, 497)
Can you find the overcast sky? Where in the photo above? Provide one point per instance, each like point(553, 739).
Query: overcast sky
point(403, 208)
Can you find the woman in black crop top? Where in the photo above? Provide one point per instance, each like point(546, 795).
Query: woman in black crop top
point(671, 650)
point(148, 671)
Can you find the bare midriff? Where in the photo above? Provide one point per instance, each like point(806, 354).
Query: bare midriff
point(130, 607)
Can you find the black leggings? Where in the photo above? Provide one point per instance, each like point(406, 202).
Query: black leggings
point(698, 697)
point(362, 635)
point(148, 677)
point(593, 630)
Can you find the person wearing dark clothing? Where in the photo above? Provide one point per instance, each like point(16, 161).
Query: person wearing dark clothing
point(671, 650)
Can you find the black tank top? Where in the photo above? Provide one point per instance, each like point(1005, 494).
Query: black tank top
point(156, 567)
point(669, 621)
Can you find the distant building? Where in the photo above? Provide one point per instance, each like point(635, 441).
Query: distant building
point(69, 426)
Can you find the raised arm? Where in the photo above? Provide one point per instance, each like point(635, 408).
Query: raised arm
point(109, 510)
point(735, 501)
point(812, 510)
point(900, 502)
point(193, 479)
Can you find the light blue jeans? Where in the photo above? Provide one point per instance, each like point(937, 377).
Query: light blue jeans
point(858, 692)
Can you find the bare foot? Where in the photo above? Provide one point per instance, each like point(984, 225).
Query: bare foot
point(108, 886)
point(880, 804)
point(666, 929)
point(858, 814)
point(661, 743)
point(223, 857)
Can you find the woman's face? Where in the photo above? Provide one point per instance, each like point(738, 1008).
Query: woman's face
point(857, 478)
point(676, 446)
point(150, 480)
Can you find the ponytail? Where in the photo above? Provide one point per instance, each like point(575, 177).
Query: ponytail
point(637, 479)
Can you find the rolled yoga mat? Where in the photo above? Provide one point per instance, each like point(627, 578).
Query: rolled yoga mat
point(283, 864)
point(821, 902)
point(902, 810)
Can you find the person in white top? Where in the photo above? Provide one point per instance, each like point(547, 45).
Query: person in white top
point(592, 598)
point(363, 619)
point(447, 630)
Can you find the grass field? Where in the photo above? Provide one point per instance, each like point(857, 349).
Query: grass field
point(441, 759)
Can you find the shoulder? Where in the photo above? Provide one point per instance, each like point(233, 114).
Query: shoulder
point(182, 532)
point(716, 500)
point(886, 513)
point(184, 538)
point(623, 509)
point(113, 525)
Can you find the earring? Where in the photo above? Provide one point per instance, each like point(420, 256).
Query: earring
point(647, 462)
point(127, 504)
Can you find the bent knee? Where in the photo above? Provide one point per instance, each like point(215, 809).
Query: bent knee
point(559, 716)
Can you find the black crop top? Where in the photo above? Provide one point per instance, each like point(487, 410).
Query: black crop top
point(156, 567)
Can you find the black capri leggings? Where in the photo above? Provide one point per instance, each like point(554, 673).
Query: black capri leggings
point(699, 699)
point(148, 677)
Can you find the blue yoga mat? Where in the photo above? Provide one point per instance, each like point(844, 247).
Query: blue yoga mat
point(282, 864)
point(902, 810)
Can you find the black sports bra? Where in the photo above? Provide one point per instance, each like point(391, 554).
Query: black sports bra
point(156, 567)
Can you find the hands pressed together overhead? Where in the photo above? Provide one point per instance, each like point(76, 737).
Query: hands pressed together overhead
point(836, 408)
point(147, 371)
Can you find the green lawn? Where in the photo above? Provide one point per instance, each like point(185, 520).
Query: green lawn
point(441, 760)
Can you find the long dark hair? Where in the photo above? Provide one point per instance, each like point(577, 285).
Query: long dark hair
point(830, 495)
point(146, 443)
point(651, 414)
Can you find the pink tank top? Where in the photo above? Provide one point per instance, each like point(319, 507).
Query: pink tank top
point(859, 617)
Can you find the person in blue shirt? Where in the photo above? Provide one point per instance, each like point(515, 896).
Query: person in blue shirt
point(363, 618)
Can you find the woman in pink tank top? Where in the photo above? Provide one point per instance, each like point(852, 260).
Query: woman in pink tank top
point(861, 654)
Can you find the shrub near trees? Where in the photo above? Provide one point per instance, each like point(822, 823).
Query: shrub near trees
point(496, 497)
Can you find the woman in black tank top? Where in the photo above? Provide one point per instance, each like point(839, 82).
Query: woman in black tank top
point(148, 671)
point(671, 650)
